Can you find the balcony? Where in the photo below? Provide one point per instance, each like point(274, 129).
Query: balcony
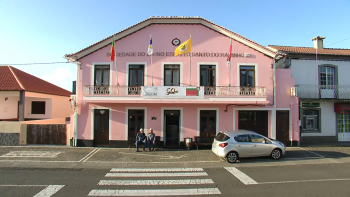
point(323, 91)
point(175, 94)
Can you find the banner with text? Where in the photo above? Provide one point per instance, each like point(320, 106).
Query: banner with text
point(172, 92)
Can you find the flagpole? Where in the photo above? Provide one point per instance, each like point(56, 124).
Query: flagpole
point(229, 83)
point(190, 61)
point(115, 62)
point(151, 62)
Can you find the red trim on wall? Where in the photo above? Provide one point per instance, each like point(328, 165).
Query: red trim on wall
point(340, 108)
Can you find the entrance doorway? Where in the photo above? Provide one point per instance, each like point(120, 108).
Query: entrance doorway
point(256, 121)
point(207, 123)
point(343, 125)
point(282, 127)
point(172, 127)
point(136, 122)
point(101, 127)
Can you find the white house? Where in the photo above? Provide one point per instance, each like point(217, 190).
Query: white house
point(323, 86)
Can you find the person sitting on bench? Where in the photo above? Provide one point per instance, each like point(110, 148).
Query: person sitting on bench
point(151, 138)
point(140, 138)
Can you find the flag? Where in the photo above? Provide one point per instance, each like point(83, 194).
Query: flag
point(192, 91)
point(229, 55)
point(183, 48)
point(150, 48)
point(112, 51)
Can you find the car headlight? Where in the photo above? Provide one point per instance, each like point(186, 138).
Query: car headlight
point(282, 144)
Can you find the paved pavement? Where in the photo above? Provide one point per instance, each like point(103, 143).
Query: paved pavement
point(70, 171)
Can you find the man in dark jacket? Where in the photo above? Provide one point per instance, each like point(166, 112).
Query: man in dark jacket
point(140, 138)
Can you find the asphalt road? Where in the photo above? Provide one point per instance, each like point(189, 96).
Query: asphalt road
point(331, 179)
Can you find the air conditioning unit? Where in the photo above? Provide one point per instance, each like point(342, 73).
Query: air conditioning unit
point(327, 93)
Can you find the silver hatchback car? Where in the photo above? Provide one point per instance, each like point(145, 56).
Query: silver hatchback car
point(242, 143)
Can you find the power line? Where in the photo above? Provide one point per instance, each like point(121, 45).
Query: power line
point(34, 63)
point(338, 42)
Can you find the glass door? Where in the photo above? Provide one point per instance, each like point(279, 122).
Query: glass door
point(171, 75)
point(136, 122)
point(207, 79)
point(343, 125)
point(101, 79)
point(247, 80)
point(136, 79)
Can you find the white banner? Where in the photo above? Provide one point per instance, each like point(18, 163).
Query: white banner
point(172, 92)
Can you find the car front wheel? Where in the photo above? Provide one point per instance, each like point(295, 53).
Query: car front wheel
point(232, 157)
point(276, 154)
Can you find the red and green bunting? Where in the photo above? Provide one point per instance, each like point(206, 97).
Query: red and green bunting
point(192, 92)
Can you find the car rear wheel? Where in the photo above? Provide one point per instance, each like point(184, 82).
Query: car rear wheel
point(231, 157)
point(276, 154)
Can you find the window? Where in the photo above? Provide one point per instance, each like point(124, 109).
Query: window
point(136, 75)
point(171, 75)
point(101, 79)
point(311, 119)
point(222, 137)
point(242, 138)
point(102, 75)
point(207, 77)
point(247, 76)
point(327, 76)
point(257, 139)
point(38, 107)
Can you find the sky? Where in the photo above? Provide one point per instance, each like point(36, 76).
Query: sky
point(41, 31)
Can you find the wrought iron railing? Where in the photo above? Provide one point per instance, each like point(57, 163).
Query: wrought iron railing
point(208, 90)
point(323, 91)
point(112, 90)
point(234, 91)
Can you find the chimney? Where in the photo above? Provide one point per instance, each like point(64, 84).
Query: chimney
point(318, 42)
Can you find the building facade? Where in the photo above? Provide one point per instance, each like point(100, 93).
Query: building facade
point(323, 87)
point(26, 97)
point(180, 96)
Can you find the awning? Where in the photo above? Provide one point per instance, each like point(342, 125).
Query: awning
point(341, 107)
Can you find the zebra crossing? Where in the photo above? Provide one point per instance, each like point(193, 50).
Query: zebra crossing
point(160, 180)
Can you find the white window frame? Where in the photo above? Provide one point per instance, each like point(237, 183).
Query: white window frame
point(239, 73)
point(127, 119)
point(173, 63)
point(144, 72)
point(92, 110)
point(199, 64)
point(101, 64)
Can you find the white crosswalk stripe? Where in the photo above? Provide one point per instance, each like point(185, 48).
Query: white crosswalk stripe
point(176, 179)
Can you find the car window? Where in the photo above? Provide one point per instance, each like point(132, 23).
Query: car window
point(222, 137)
point(242, 138)
point(257, 139)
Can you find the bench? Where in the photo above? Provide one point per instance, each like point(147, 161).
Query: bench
point(132, 142)
point(203, 141)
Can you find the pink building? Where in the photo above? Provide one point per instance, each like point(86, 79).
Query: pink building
point(177, 97)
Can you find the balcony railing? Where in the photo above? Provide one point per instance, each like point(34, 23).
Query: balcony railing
point(323, 91)
point(208, 90)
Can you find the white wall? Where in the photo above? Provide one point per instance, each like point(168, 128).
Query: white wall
point(306, 71)
point(328, 120)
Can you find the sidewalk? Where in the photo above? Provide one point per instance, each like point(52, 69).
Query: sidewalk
point(77, 158)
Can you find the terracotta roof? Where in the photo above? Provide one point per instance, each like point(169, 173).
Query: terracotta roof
point(12, 79)
point(169, 18)
point(311, 50)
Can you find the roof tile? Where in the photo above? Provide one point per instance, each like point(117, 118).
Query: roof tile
point(311, 50)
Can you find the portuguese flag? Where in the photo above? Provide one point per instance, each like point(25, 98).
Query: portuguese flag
point(112, 51)
point(192, 91)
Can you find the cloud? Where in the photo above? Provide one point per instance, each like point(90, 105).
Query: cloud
point(61, 77)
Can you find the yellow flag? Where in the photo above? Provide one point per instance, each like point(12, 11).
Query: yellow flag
point(183, 48)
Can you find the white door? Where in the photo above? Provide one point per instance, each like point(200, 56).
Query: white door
point(343, 126)
point(244, 145)
point(260, 148)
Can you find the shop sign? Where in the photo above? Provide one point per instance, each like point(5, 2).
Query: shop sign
point(311, 104)
point(172, 92)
